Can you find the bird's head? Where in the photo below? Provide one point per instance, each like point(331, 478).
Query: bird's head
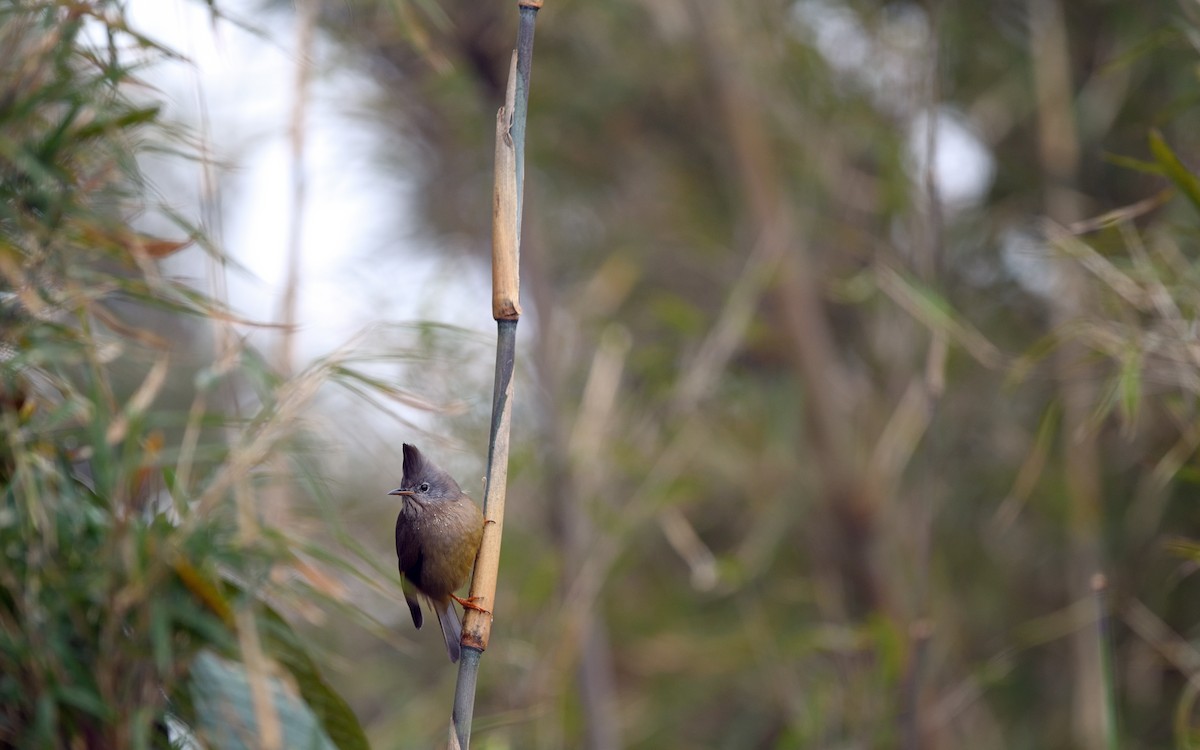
point(423, 481)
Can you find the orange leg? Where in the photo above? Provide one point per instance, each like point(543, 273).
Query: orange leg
point(469, 603)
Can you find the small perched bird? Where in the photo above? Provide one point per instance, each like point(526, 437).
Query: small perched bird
point(438, 532)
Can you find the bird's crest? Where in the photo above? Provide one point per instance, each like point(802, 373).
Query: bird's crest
point(419, 470)
point(414, 463)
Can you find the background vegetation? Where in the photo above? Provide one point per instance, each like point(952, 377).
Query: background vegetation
point(812, 451)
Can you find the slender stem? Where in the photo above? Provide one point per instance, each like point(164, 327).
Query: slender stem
point(521, 108)
point(464, 694)
point(1104, 638)
point(306, 22)
point(506, 309)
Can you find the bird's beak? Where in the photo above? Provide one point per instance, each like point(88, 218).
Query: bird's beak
point(408, 494)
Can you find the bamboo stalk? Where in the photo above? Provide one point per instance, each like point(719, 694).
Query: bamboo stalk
point(1104, 638)
point(506, 309)
point(1059, 159)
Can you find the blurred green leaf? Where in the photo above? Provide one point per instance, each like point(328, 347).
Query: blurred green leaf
point(160, 636)
point(1137, 165)
point(1129, 385)
point(84, 699)
point(225, 708)
point(935, 312)
point(338, 719)
point(128, 119)
point(1174, 169)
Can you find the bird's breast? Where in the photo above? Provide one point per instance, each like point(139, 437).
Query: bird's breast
point(446, 536)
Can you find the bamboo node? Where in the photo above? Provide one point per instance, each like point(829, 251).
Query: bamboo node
point(506, 309)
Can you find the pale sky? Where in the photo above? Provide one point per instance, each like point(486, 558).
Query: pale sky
point(360, 264)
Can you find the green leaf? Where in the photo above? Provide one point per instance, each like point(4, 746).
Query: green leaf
point(1129, 385)
point(282, 644)
point(170, 481)
point(936, 313)
point(225, 711)
point(122, 121)
point(1174, 168)
point(1137, 165)
point(83, 699)
point(160, 636)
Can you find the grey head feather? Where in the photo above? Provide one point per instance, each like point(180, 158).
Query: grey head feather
point(425, 479)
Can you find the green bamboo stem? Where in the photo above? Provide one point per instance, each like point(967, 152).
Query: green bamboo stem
point(1107, 672)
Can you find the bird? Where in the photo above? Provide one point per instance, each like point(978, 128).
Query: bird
point(438, 532)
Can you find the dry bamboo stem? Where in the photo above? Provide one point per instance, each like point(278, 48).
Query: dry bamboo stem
point(506, 309)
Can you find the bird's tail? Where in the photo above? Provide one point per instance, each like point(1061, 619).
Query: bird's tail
point(451, 627)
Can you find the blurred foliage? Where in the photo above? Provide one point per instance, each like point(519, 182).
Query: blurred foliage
point(804, 456)
point(130, 537)
point(730, 534)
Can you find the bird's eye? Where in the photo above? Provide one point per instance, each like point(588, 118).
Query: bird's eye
point(424, 487)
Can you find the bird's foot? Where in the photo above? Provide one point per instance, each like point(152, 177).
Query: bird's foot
point(469, 603)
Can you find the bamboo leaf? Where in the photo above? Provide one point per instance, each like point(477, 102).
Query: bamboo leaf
point(83, 699)
point(225, 711)
point(203, 589)
point(936, 313)
point(1129, 386)
point(160, 636)
point(1137, 165)
point(128, 119)
point(1174, 169)
point(335, 715)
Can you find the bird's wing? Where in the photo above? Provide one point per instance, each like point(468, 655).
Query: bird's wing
point(410, 561)
point(410, 596)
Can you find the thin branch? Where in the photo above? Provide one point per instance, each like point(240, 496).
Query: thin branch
point(306, 21)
